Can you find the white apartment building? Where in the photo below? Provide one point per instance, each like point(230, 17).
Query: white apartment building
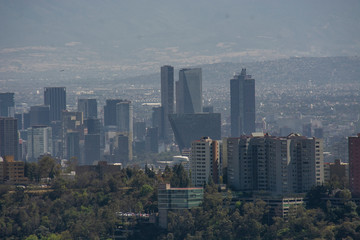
point(204, 161)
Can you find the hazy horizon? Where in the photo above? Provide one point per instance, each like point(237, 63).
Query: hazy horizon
point(130, 38)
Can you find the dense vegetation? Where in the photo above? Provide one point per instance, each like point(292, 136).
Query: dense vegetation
point(85, 208)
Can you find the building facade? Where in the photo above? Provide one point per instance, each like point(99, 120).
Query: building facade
point(191, 127)
point(9, 140)
point(177, 199)
point(167, 101)
point(110, 112)
point(55, 98)
point(354, 164)
point(7, 104)
point(204, 161)
point(39, 115)
point(39, 142)
point(88, 107)
point(279, 165)
point(189, 91)
point(242, 104)
point(124, 118)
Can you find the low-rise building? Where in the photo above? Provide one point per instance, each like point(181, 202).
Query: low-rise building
point(177, 199)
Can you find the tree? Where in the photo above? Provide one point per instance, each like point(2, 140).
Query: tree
point(180, 177)
point(48, 167)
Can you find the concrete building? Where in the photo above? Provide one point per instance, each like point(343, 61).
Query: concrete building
point(204, 161)
point(152, 140)
point(92, 148)
point(190, 127)
point(123, 148)
point(242, 104)
point(55, 98)
point(9, 140)
point(39, 115)
point(354, 165)
point(167, 101)
point(110, 112)
point(73, 146)
point(71, 122)
point(88, 107)
point(170, 199)
point(279, 165)
point(39, 142)
point(189, 91)
point(124, 118)
point(7, 104)
point(12, 171)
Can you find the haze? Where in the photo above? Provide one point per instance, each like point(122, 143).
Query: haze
point(129, 38)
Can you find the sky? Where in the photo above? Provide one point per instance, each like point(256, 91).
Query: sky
point(130, 38)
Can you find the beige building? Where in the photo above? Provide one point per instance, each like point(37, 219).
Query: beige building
point(204, 161)
point(12, 171)
point(280, 165)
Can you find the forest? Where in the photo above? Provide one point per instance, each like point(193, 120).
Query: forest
point(86, 207)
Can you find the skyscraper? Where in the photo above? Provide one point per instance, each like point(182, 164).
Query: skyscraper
point(242, 104)
point(55, 97)
point(39, 142)
point(190, 127)
point(39, 115)
point(124, 117)
point(8, 137)
point(7, 104)
point(110, 112)
point(204, 161)
point(189, 91)
point(167, 100)
point(354, 164)
point(88, 107)
point(92, 148)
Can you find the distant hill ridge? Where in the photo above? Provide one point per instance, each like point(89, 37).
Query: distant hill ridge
point(320, 70)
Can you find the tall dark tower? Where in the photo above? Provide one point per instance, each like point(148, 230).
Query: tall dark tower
point(189, 91)
point(167, 100)
point(8, 137)
point(110, 112)
point(7, 104)
point(242, 103)
point(39, 115)
point(55, 97)
point(88, 107)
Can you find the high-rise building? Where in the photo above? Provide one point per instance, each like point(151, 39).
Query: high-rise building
point(204, 161)
point(71, 122)
point(93, 125)
point(55, 98)
point(110, 112)
point(39, 115)
point(9, 141)
point(167, 100)
point(88, 107)
point(189, 91)
point(92, 148)
point(124, 118)
point(280, 165)
point(354, 164)
point(190, 127)
point(39, 142)
point(73, 145)
point(19, 118)
point(152, 140)
point(123, 148)
point(242, 104)
point(7, 104)
point(139, 130)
